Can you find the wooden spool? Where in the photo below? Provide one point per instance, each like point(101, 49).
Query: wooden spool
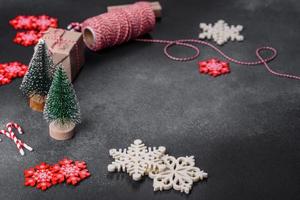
point(61, 131)
point(37, 103)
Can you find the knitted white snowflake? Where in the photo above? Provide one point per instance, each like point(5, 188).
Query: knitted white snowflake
point(221, 32)
point(179, 174)
point(137, 160)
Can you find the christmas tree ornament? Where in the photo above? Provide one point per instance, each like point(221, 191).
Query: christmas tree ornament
point(23, 22)
point(70, 171)
point(214, 67)
point(37, 81)
point(221, 32)
point(11, 135)
point(179, 174)
point(62, 108)
point(67, 48)
point(44, 22)
point(27, 38)
point(137, 160)
point(39, 176)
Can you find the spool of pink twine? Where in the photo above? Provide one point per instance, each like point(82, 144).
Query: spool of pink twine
point(118, 26)
point(122, 24)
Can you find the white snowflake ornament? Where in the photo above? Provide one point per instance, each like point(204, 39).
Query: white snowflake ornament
point(179, 174)
point(221, 32)
point(138, 160)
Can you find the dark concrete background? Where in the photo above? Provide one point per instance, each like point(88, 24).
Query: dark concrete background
point(242, 128)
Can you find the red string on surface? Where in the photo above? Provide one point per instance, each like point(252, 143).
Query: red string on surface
point(186, 43)
point(121, 25)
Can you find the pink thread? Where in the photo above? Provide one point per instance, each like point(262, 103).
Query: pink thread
point(121, 25)
point(185, 43)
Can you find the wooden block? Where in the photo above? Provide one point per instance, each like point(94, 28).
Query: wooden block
point(37, 103)
point(155, 6)
point(61, 132)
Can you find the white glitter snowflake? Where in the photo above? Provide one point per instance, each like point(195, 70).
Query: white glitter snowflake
point(179, 174)
point(221, 32)
point(137, 160)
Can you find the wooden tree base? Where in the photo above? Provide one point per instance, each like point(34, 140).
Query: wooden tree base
point(37, 103)
point(61, 132)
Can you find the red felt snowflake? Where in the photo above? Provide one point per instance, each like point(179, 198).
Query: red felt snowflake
point(27, 38)
point(71, 171)
point(13, 69)
point(39, 176)
point(4, 80)
point(43, 22)
point(214, 67)
point(23, 22)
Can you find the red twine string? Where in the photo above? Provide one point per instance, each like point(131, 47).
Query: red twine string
point(120, 25)
point(187, 43)
point(117, 26)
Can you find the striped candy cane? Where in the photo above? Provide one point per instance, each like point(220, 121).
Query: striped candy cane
point(10, 134)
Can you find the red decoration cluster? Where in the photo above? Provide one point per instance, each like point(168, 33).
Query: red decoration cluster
point(11, 70)
point(27, 38)
point(44, 176)
point(72, 172)
point(39, 176)
point(214, 67)
point(35, 25)
point(40, 23)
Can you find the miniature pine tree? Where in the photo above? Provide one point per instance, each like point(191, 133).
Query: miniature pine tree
point(37, 80)
point(61, 103)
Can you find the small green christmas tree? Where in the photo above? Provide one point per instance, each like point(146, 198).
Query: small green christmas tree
point(61, 103)
point(37, 80)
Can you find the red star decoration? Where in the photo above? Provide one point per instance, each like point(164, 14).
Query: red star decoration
point(27, 38)
point(23, 22)
point(214, 67)
point(39, 176)
point(71, 171)
point(43, 22)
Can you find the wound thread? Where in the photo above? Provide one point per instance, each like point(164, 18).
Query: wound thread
point(118, 26)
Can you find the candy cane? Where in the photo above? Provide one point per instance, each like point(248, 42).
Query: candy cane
point(18, 142)
point(10, 134)
point(10, 125)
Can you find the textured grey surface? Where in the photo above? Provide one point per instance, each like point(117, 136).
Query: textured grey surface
point(242, 128)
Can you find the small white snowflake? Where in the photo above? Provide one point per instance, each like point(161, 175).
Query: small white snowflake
point(179, 174)
point(137, 160)
point(221, 32)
